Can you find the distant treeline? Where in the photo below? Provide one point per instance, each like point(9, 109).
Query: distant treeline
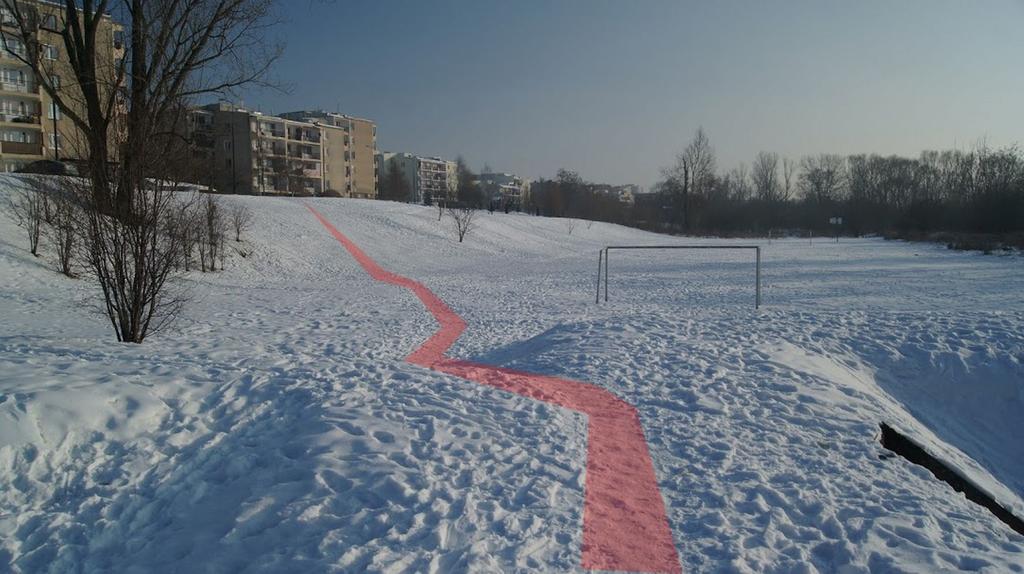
point(976, 191)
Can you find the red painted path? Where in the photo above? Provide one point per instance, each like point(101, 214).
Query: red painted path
point(624, 523)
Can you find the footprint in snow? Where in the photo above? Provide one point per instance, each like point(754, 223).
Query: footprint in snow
point(384, 437)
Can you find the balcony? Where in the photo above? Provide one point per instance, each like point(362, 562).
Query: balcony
point(28, 120)
point(297, 153)
point(271, 151)
point(22, 148)
point(16, 54)
point(304, 136)
point(20, 88)
point(269, 130)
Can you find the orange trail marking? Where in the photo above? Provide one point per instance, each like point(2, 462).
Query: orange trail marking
point(624, 522)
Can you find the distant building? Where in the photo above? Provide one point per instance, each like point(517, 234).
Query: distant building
point(350, 153)
point(624, 193)
point(298, 153)
point(505, 189)
point(257, 154)
point(431, 177)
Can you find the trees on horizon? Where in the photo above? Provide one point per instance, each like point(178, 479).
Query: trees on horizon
point(395, 186)
point(980, 190)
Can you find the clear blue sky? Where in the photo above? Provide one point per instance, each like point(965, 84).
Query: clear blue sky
point(613, 89)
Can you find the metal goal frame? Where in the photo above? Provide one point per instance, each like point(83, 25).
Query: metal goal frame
point(602, 264)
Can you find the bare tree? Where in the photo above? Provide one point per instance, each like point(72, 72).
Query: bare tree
point(240, 218)
point(677, 187)
point(129, 106)
point(64, 230)
point(765, 173)
point(213, 231)
point(788, 179)
point(186, 226)
point(739, 183)
point(395, 186)
point(823, 178)
point(26, 205)
point(701, 158)
point(462, 218)
point(693, 174)
point(49, 208)
point(468, 191)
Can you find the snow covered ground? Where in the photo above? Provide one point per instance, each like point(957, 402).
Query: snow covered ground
point(277, 427)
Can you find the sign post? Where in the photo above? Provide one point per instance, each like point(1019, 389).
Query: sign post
point(836, 223)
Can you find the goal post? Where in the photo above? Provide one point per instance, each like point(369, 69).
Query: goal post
point(602, 264)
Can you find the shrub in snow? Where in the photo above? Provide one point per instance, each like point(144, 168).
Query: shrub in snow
point(240, 217)
point(65, 224)
point(462, 218)
point(27, 206)
point(214, 229)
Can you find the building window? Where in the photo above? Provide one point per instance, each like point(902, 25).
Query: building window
point(49, 52)
point(16, 77)
point(50, 22)
point(15, 47)
point(54, 112)
point(55, 81)
point(55, 141)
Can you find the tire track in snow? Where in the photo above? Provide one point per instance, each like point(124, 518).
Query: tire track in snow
point(624, 521)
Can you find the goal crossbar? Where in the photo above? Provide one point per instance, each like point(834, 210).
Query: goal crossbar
point(602, 264)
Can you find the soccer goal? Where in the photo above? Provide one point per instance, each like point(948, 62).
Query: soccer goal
point(602, 264)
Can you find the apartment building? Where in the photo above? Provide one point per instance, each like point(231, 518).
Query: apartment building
point(350, 152)
point(431, 177)
point(32, 128)
point(623, 193)
point(505, 189)
point(256, 154)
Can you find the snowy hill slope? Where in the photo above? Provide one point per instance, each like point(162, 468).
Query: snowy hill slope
point(277, 427)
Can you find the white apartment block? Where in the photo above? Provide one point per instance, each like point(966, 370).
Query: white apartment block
point(505, 188)
point(431, 177)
